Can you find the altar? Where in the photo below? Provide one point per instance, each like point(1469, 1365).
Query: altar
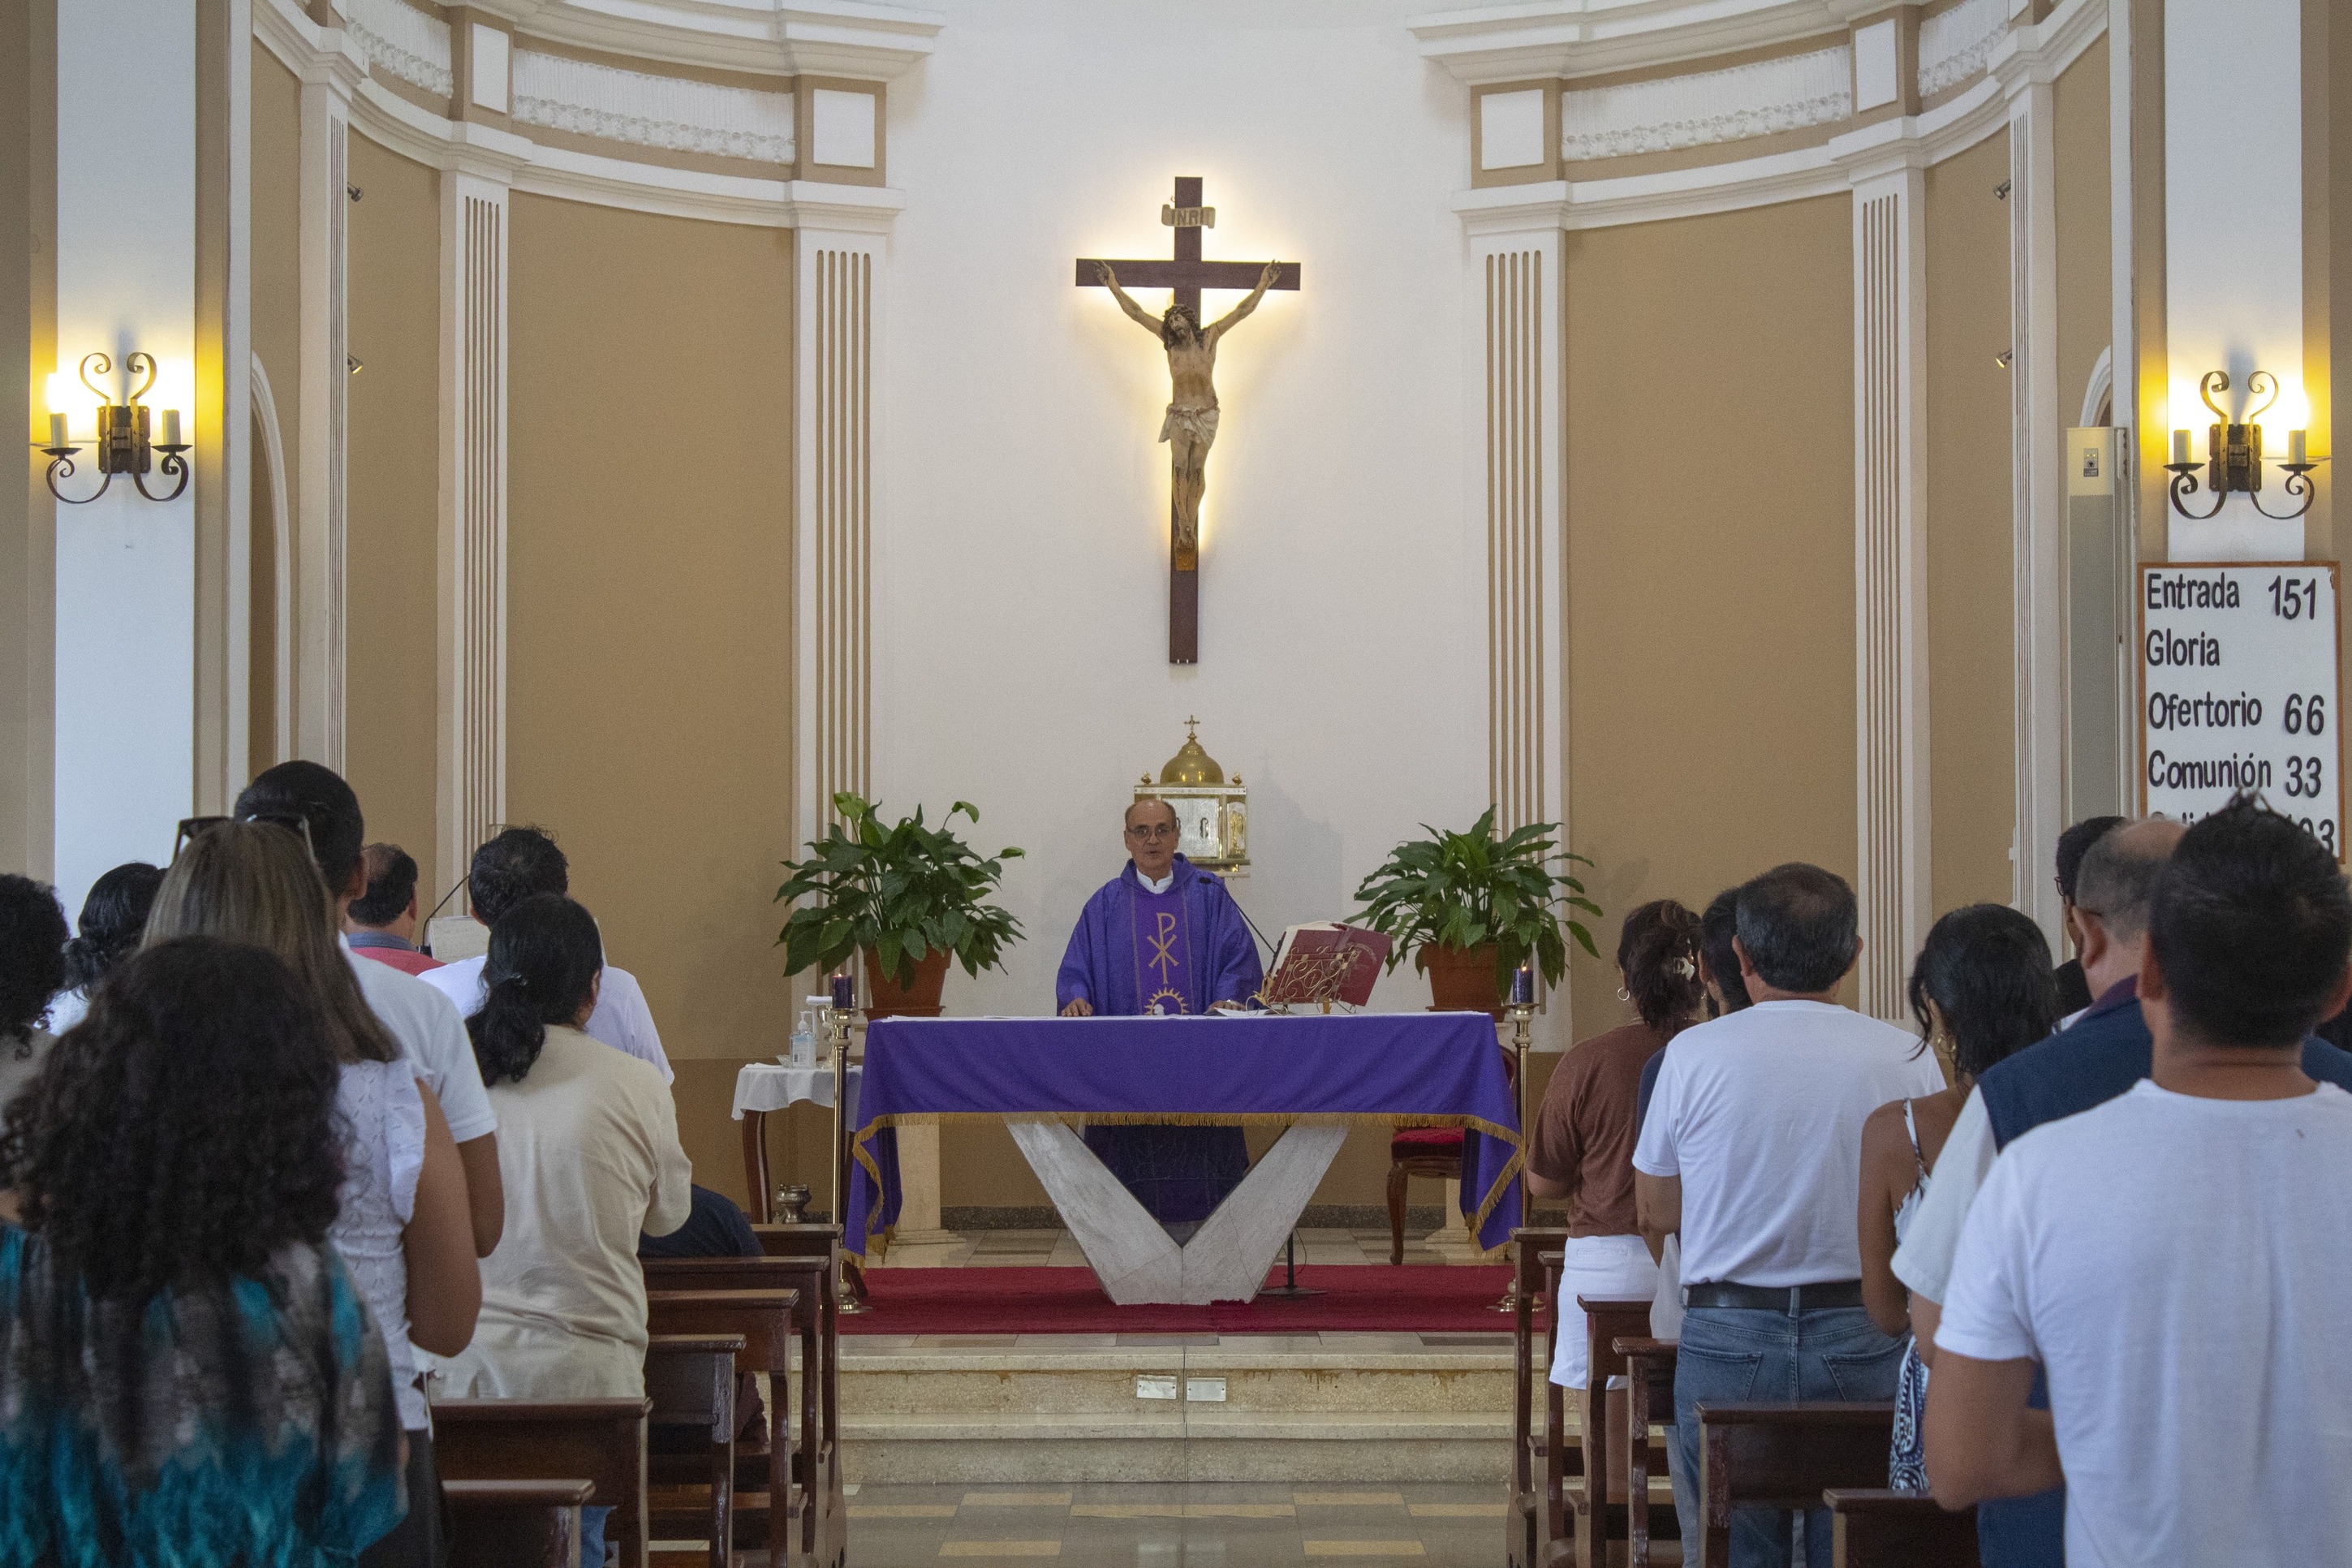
point(1313, 1075)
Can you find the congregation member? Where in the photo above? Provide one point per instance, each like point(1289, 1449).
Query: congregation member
point(516, 865)
point(1752, 1154)
point(401, 1225)
point(588, 1146)
point(32, 968)
point(113, 918)
point(2175, 1258)
point(315, 801)
point(2074, 996)
point(1982, 990)
point(1581, 1147)
point(382, 922)
point(1165, 937)
point(188, 1374)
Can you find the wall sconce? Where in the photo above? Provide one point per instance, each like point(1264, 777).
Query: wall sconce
point(123, 446)
point(2233, 454)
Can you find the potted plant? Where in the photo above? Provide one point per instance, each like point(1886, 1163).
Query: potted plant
point(1472, 908)
point(906, 896)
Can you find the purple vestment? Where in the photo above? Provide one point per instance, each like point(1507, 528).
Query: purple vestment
point(1179, 951)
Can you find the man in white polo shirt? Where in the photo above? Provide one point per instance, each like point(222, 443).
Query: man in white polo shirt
point(2178, 1257)
point(1752, 1152)
point(510, 868)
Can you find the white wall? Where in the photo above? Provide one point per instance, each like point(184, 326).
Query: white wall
point(2233, 245)
point(126, 565)
point(1021, 569)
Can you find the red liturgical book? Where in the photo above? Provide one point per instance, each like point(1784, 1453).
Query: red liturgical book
point(1326, 962)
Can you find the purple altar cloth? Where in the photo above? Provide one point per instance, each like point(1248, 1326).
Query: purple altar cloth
point(1410, 1070)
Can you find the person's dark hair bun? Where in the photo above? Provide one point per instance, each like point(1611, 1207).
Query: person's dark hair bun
point(113, 920)
point(543, 961)
point(1658, 950)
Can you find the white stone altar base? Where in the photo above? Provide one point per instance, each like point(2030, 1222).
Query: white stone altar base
point(1135, 1257)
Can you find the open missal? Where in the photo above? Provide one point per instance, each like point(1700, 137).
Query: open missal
point(1324, 962)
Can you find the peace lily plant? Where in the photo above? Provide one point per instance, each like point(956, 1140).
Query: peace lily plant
point(1454, 894)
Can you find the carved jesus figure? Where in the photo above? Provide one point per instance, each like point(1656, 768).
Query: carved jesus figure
point(1191, 426)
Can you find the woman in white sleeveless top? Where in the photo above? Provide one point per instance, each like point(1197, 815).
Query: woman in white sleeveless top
point(403, 1224)
point(1983, 988)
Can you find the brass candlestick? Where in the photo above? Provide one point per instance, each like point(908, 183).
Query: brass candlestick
point(1521, 1011)
point(838, 1019)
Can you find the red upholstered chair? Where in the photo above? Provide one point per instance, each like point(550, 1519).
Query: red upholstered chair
point(1431, 1151)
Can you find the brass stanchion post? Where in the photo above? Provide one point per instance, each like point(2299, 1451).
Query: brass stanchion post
point(1521, 1011)
point(844, 1008)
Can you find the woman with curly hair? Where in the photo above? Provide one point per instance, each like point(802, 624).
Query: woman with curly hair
point(402, 1225)
point(188, 1377)
point(113, 918)
point(1581, 1138)
point(32, 967)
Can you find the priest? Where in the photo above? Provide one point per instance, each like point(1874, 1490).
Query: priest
point(1162, 937)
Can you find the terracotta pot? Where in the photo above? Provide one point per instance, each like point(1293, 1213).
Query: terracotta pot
point(920, 998)
point(1461, 980)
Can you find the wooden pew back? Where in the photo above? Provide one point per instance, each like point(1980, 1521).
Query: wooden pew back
point(601, 1441)
point(1783, 1456)
point(1607, 1320)
point(1873, 1527)
point(1648, 1402)
point(515, 1524)
point(1523, 1525)
point(690, 1378)
point(766, 1320)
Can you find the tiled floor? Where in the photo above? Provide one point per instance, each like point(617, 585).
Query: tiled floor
point(1149, 1526)
point(1058, 1249)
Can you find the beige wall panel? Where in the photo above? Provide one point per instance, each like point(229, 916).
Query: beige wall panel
point(1971, 664)
point(649, 572)
point(1710, 558)
point(2085, 241)
point(278, 250)
point(394, 509)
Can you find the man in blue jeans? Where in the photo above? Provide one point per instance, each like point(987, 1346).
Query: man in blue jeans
point(1752, 1150)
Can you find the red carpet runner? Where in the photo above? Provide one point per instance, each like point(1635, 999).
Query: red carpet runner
point(1359, 1298)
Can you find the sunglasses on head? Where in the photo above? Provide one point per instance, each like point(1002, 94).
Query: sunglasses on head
point(195, 827)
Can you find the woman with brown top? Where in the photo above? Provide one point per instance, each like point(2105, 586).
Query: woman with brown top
point(1581, 1143)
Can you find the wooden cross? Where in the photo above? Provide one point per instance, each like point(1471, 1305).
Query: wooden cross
point(1187, 274)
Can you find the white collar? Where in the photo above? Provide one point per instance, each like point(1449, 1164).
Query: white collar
point(1161, 886)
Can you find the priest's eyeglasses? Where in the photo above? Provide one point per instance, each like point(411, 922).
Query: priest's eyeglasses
point(195, 827)
point(1151, 831)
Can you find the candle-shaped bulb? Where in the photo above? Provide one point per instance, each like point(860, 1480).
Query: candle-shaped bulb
point(2296, 446)
point(844, 991)
point(170, 428)
point(57, 429)
point(1523, 986)
point(2180, 447)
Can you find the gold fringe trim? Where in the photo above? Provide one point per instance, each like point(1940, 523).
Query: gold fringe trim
point(1479, 1124)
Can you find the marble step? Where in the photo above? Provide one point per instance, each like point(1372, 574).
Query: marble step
point(1388, 1410)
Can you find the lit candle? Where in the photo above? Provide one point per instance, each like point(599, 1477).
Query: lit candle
point(2180, 447)
point(57, 429)
point(1523, 986)
point(2295, 445)
point(170, 428)
point(844, 991)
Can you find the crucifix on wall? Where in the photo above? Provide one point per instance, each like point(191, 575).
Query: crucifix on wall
point(1190, 425)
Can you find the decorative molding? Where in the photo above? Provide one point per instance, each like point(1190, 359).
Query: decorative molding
point(271, 458)
point(827, 37)
point(472, 664)
point(1890, 568)
point(838, 352)
point(1788, 93)
point(404, 42)
point(320, 530)
point(1955, 45)
point(1585, 37)
point(675, 113)
point(2098, 388)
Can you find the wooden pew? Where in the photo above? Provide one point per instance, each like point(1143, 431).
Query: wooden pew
point(1524, 1531)
point(817, 1454)
point(599, 1441)
point(1648, 1402)
point(515, 1524)
point(1783, 1457)
point(815, 1241)
point(1598, 1520)
point(1874, 1528)
point(766, 1320)
point(690, 1378)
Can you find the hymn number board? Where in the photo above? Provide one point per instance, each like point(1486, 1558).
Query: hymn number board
point(2239, 665)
